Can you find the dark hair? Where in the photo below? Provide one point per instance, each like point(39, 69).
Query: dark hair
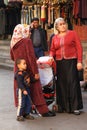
point(18, 61)
point(35, 19)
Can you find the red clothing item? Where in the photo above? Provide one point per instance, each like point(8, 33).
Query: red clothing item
point(76, 4)
point(67, 47)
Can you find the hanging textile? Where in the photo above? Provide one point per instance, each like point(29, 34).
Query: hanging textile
point(76, 4)
point(43, 13)
point(29, 14)
point(24, 15)
point(39, 13)
point(13, 16)
point(52, 17)
point(2, 21)
point(35, 11)
point(6, 2)
point(2, 4)
point(15, 0)
point(49, 14)
point(56, 12)
point(83, 9)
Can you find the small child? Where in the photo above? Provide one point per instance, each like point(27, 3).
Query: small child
point(24, 100)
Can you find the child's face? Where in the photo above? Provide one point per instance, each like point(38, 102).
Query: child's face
point(22, 66)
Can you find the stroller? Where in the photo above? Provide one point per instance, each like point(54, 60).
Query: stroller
point(47, 70)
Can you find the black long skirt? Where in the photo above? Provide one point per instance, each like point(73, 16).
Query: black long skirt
point(68, 91)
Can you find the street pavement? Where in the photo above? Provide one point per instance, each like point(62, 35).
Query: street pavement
point(62, 121)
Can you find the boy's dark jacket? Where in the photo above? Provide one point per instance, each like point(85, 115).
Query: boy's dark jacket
point(21, 77)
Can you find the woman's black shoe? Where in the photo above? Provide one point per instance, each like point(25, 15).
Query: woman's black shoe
point(76, 112)
point(49, 114)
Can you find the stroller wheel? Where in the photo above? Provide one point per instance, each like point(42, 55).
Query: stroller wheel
point(55, 108)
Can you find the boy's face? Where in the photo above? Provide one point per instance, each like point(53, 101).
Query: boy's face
point(22, 66)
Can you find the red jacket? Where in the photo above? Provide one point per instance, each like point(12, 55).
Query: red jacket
point(67, 47)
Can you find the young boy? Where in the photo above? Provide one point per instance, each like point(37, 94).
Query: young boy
point(24, 100)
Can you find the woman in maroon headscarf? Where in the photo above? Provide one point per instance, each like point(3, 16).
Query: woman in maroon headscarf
point(21, 47)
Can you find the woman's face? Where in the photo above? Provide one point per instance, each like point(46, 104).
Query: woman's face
point(61, 26)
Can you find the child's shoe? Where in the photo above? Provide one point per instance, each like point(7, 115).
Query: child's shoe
point(20, 118)
point(29, 117)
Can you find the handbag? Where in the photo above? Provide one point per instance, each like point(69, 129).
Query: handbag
point(80, 74)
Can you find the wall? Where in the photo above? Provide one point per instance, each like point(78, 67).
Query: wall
point(82, 32)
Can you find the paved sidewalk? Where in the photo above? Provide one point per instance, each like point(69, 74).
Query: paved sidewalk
point(8, 112)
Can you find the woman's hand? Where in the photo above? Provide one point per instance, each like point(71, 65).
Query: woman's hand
point(28, 80)
point(46, 53)
point(37, 76)
point(79, 66)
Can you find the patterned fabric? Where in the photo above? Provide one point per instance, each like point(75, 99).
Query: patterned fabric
point(20, 31)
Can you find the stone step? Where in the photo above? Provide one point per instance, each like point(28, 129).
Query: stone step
point(84, 45)
point(6, 62)
point(4, 53)
point(5, 49)
point(6, 66)
point(5, 42)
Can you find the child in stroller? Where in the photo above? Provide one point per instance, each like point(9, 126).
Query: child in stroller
point(47, 71)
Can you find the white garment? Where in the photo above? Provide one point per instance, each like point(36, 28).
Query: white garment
point(45, 69)
point(46, 75)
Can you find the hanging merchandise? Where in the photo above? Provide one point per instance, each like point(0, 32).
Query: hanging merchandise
point(49, 13)
point(52, 12)
point(29, 0)
point(32, 12)
point(35, 11)
point(48, 10)
point(83, 9)
point(43, 13)
point(2, 3)
point(24, 15)
point(29, 14)
point(6, 2)
point(56, 12)
point(2, 21)
point(39, 13)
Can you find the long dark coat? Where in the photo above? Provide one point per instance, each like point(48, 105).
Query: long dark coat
point(24, 49)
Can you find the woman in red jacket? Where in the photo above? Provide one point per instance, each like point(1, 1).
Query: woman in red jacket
point(67, 50)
